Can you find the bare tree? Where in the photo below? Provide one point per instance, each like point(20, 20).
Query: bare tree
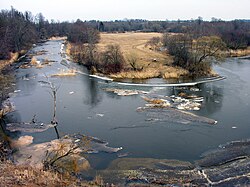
point(113, 60)
point(53, 93)
point(154, 43)
point(132, 59)
point(194, 55)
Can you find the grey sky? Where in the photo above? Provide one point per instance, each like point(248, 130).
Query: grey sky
point(133, 9)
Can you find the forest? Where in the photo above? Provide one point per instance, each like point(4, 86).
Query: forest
point(19, 30)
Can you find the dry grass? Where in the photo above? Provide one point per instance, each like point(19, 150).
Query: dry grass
point(65, 73)
point(36, 63)
point(152, 72)
point(6, 86)
point(146, 74)
point(46, 61)
point(5, 63)
point(133, 43)
point(33, 61)
point(239, 52)
point(154, 63)
point(11, 175)
point(173, 72)
point(58, 38)
point(68, 48)
point(154, 101)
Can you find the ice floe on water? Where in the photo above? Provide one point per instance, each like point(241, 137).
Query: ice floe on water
point(125, 92)
point(100, 115)
point(169, 114)
point(92, 144)
point(194, 89)
point(182, 103)
point(168, 108)
point(173, 108)
point(16, 91)
point(28, 127)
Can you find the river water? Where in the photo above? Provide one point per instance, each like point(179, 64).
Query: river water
point(83, 106)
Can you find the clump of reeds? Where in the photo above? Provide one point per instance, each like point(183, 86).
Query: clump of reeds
point(170, 72)
point(145, 74)
point(33, 61)
point(12, 59)
point(12, 175)
point(46, 61)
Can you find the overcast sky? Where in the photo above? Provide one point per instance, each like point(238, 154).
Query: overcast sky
point(133, 9)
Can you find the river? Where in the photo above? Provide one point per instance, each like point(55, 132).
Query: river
point(83, 106)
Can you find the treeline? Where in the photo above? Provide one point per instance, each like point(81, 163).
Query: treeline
point(236, 33)
point(109, 61)
point(18, 31)
point(194, 44)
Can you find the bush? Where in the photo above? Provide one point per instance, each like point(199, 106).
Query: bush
point(85, 54)
point(194, 55)
point(112, 59)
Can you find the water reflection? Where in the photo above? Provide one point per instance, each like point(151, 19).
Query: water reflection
point(93, 111)
point(213, 97)
point(93, 94)
point(27, 82)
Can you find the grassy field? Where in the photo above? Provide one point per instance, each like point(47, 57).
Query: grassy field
point(155, 63)
point(133, 43)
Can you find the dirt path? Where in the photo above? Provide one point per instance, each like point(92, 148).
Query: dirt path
point(133, 43)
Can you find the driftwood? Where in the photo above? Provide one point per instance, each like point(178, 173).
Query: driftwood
point(6, 108)
point(93, 145)
point(28, 127)
point(53, 93)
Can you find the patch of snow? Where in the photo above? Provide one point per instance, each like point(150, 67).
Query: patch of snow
point(100, 115)
point(16, 91)
point(194, 89)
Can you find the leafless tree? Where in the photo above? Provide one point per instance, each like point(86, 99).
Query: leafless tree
point(53, 93)
point(113, 60)
point(192, 54)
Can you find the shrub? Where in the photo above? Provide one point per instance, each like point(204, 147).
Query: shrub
point(194, 54)
point(112, 59)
